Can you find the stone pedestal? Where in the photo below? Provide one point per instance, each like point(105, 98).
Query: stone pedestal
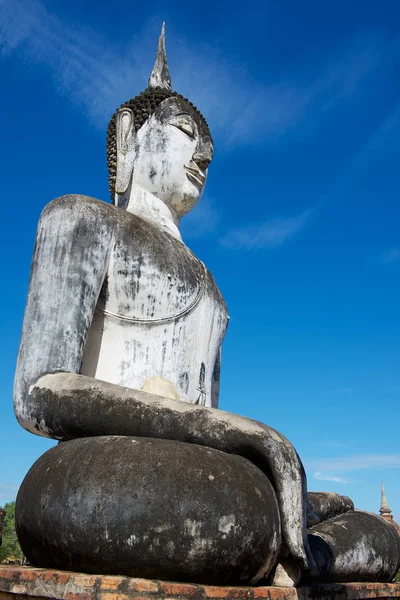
point(17, 583)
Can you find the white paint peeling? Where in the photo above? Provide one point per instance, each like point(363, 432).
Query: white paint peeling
point(192, 527)
point(161, 528)
point(199, 547)
point(132, 539)
point(226, 523)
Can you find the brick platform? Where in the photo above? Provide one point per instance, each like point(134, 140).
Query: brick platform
point(17, 583)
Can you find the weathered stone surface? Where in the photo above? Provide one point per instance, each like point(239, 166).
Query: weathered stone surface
point(326, 505)
point(355, 546)
point(151, 508)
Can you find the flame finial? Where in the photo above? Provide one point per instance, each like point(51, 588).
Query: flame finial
point(160, 76)
point(384, 503)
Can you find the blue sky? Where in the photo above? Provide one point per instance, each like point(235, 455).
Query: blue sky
point(299, 223)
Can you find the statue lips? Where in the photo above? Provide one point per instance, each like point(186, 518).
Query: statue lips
point(195, 174)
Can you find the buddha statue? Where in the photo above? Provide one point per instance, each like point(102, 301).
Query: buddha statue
point(119, 361)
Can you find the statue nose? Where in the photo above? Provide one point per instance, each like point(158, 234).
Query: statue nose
point(202, 160)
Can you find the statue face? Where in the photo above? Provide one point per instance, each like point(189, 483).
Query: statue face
point(173, 150)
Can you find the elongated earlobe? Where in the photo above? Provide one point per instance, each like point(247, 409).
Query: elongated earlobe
point(125, 133)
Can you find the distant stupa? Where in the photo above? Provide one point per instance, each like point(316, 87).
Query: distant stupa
point(385, 511)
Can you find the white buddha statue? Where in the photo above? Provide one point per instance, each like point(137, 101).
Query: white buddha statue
point(120, 359)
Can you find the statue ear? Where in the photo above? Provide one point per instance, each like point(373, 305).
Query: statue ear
point(125, 130)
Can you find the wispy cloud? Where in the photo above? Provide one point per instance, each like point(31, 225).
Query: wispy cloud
point(8, 492)
point(93, 74)
point(391, 256)
point(97, 74)
point(334, 443)
point(269, 234)
point(333, 468)
point(321, 477)
point(297, 103)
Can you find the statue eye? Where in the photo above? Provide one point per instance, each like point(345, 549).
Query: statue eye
point(184, 125)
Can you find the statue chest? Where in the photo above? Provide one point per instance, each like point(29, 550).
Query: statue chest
point(154, 283)
point(160, 316)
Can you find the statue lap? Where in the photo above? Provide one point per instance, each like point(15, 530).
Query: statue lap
point(149, 508)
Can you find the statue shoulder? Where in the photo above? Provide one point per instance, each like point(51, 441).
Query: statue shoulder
point(81, 217)
point(78, 205)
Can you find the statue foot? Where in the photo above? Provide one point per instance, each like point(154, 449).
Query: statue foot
point(149, 508)
point(322, 506)
point(354, 546)
point(287, 573)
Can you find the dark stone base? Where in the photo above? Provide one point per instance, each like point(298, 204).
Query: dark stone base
point(17, 583)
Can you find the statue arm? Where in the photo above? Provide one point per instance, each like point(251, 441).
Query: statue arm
point(68, 268)
point(80, 406)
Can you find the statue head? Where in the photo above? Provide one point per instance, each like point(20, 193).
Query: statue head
point(160, 142)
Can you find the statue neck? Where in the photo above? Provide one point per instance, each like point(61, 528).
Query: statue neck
point(140, 202)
